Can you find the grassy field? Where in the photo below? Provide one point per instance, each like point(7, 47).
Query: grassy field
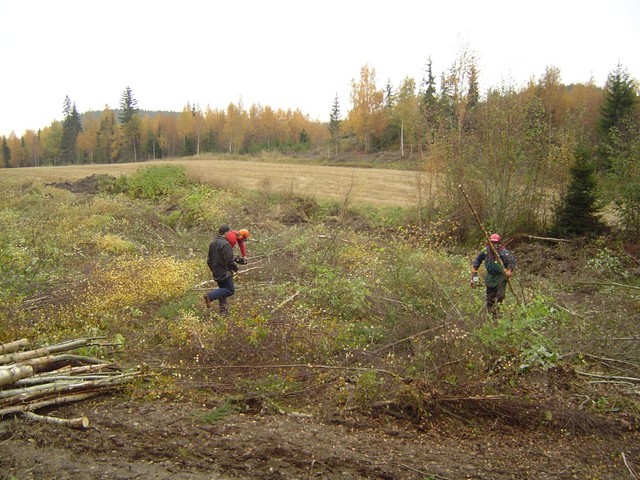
point(382, 187)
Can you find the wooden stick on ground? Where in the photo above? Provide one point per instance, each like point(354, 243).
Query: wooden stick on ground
point(80, 422)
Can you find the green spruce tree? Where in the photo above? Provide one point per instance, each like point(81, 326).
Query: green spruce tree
point(618, 123)
point(130, 120)
point(71, 128)
point(6, 153)
point(334, 124)
point(576, 214)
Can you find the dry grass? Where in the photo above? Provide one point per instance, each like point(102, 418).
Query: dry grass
point(381, 187)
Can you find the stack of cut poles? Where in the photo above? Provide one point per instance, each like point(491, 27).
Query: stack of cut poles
point(34, 379)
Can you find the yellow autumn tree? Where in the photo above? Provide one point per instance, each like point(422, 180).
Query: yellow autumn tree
point(17, 151)
point(33, 148)
point(88, 138)
point(186, 129)
point(406, 112)
point(366, 117)
point(235, 127)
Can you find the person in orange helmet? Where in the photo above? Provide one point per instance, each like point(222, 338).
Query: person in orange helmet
point(238, 237)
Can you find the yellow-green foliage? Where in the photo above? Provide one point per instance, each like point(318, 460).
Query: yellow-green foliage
point(137, 280)
point(205, 205)
point(115, 244)
point(117, 290)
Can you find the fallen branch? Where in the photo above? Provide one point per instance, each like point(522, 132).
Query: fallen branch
point(410, 337)
point(608, 377)
point(626, 464)
point(547, 239)
point(435, 476)
point(80, 422)
point(632, 257)
point(612, 284)
point(284, 302)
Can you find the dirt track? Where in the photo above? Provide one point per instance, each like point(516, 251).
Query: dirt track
point(367, 185)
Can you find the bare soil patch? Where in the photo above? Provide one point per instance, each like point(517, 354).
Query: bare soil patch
point(163, 439)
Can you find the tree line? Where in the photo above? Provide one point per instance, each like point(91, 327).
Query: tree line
point(517, 150)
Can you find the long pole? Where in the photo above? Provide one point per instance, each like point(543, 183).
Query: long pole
point(488, 237)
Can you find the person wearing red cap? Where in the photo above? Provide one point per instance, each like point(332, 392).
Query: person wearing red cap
point(499, 270)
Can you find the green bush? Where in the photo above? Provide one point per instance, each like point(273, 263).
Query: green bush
point(153, 183)
point(524, 332)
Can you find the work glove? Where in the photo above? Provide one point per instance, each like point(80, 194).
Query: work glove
point(240, 260)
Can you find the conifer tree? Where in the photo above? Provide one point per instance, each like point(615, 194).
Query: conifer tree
point(6, 153)
point(618, 123)
point(71, 128)
point(130, 120)
point(334, 123)
point(428, 101)
point(576, 215)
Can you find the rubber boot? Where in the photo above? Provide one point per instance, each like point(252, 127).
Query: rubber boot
point(224, 309)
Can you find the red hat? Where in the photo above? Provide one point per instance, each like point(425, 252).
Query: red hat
point(495, 237)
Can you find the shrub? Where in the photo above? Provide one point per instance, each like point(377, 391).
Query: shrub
point(524, 332)
point(153, 183)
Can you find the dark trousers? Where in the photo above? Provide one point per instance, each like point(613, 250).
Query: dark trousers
point(495, 296)
point(225, 289)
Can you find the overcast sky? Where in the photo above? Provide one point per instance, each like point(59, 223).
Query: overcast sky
point(289, 54)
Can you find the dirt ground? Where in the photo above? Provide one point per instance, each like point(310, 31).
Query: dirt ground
point(162, 440)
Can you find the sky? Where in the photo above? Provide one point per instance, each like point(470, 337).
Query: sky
point(289, 54)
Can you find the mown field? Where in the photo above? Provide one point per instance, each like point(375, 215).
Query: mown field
point(376, 186)
point(355, 347)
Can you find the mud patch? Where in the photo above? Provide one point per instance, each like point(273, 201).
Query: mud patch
point(89, 185)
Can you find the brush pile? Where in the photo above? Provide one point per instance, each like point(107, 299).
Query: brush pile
point(34, 379)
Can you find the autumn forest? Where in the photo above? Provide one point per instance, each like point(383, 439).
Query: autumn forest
point(510, 145)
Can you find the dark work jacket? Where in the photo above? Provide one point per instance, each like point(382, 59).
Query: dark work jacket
point(220, 259)
point(495, 274)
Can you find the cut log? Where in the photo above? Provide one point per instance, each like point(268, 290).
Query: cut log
point(41, 377)
point(39, 352)
point(51, 360)
point(80, 422)
point(47, 403)
point(14, 373)
point(28, 394)
point(14, 346)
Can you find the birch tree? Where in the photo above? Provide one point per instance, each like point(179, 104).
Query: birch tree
point(366, 117)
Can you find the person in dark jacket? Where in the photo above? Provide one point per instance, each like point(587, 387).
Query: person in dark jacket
point(222, 265)
point(499, 270)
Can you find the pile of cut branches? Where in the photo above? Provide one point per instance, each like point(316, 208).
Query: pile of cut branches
point(33, 379)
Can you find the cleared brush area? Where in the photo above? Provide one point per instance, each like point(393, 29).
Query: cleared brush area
point(355, 347)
